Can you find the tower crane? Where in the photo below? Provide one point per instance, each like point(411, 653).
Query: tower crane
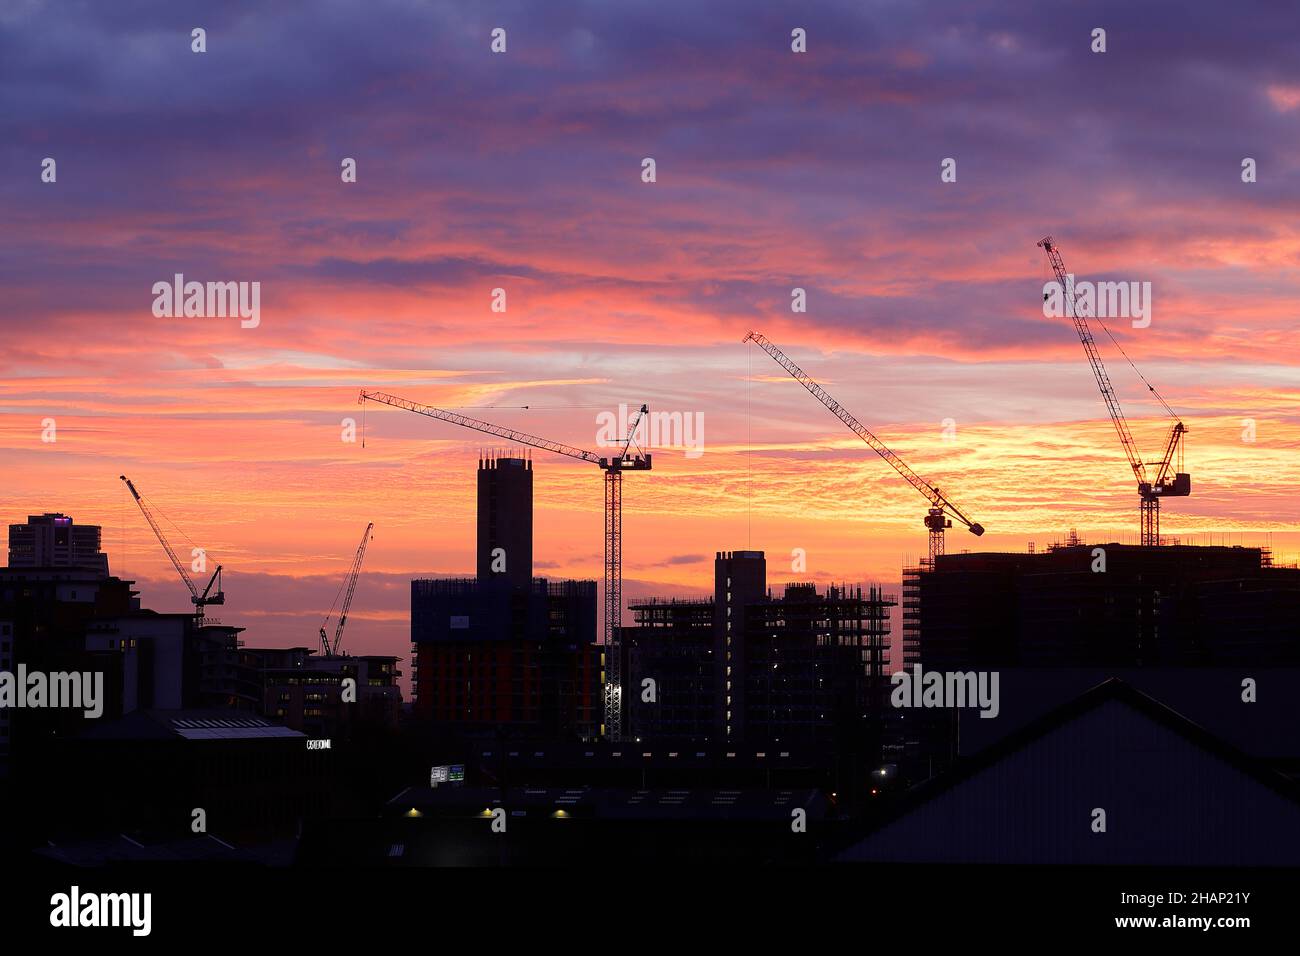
point(937, 519)
point(613, 467)
point(327, 649)
point(1158, 482)
point(199, 599)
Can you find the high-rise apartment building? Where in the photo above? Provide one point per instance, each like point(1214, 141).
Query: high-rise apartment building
point(53, 540)
point(505, 520)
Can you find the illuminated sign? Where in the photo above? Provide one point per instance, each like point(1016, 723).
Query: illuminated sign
point(452, 773)
point(318, 744)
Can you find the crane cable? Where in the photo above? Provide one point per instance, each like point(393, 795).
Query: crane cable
point(1150, 387)
point(175, 527)
point(334, 603)
point(1045, 269)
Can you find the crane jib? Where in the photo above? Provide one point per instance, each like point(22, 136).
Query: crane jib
point(1150, 492)
point(613, 466)
point(1102, 377)
point(932, 494)
point(500, 431)
point(199, 600)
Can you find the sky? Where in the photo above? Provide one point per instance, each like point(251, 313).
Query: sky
point(522, 171)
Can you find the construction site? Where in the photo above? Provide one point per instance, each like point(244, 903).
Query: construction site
point(668, 443)
point(735, 705)
point(1145, 604)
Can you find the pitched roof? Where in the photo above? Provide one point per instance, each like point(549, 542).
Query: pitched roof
point(1004, 754)
point(189, 725)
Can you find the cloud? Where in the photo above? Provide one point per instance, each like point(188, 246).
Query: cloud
point(680, 559)
point(521, 171)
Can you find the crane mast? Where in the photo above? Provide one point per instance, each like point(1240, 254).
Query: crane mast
point(200, 599)
point(1150, 490)
point(332, 650)
point(937, 519)
point(613, 467)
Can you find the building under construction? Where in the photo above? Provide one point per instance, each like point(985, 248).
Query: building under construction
point(1171, 615)
point(1107, 605)
point(504, 651)
point(750, 665)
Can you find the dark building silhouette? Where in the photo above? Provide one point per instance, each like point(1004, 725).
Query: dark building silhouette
point(1213, 698)
point(580, 826)
point(45, 615)
point(505, 652)
point(814, 665)
point(505, 520)
point(673, 644)
point(74, 619)
point(1173, 794)
point(53, 540)
point(254, 779)
point(739, 580)
point(488, 657)
point(1103, 610)
point(1172, 605)
point(911, 616)
point(803, 667)
point(80, 621)
point(305, 691)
